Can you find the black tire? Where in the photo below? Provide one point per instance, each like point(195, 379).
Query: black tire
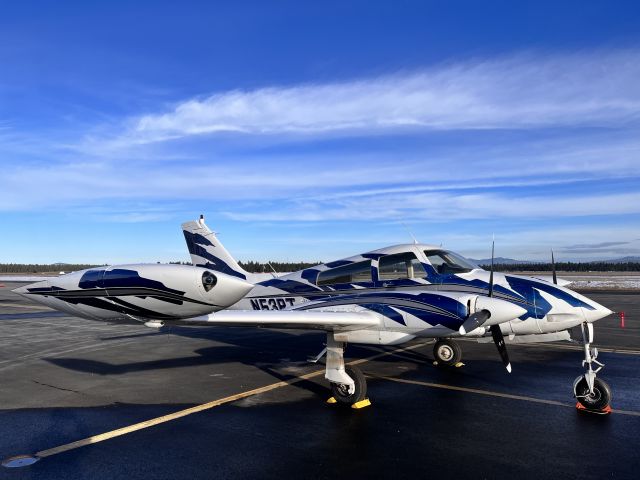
point(601, 397)
point(447, 352)
point(341, 392)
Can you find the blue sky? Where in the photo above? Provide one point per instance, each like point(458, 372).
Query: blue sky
point(316, 131)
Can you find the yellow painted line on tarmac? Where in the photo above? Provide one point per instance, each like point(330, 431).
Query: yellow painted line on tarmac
point(490, 393)
point(200, 408)
point(166, 418)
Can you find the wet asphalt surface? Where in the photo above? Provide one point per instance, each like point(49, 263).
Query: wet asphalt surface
point(64, 379)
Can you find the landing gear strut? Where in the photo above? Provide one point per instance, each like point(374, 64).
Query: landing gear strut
point(592, 393)
point(348, 385)
point(447, 352)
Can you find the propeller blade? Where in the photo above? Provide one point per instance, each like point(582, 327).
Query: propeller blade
point(498, 339)
point(474, 321)
point(493, 244)
point(553, 264)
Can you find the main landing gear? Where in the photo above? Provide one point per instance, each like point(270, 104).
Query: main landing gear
point(348, 385)
point(593, 394)
point(447, 352)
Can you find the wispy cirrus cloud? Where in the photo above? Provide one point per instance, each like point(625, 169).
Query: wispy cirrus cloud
point(521, 91)
point(450, 206)
point(260, 156)
point(324, 190)
point(631, 247)
point(583, 246)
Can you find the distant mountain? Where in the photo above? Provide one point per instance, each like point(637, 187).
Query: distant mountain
point(629, 259)
point(500, 260)
point(511, 261)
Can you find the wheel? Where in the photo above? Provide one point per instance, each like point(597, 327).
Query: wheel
point(341, 392)
point(447, 352)
point(599, 399)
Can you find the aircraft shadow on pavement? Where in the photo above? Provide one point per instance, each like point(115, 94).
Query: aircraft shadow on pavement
point(259, 348)
point(272, 351)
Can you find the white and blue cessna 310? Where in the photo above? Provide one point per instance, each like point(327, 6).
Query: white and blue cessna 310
point(384, 297)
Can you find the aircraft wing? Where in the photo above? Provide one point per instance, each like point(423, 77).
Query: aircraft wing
point(294, 319)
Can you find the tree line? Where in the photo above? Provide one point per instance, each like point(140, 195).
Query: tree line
point(250, 266)
point(259, 267)
point(42, 267)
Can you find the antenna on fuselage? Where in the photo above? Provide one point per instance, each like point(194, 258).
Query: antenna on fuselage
point(273, 270)
point(493, 245)
point(415, 240)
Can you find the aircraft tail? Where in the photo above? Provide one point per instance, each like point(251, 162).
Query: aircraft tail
point(207, 251)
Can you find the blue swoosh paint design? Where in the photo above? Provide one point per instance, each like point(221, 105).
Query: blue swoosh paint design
point(338, 263)
point(433, 318)
point(291, 286)
point(385, 310)
point(525, 294)
point(195, 243)
point(310, 275)
point(373, 256)
point(121, 278)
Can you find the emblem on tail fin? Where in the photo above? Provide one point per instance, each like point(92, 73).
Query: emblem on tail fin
point(207, 251)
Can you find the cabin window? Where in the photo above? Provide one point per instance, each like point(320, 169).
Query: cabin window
point(355, 272)
point(444, 261)
point(399, 266)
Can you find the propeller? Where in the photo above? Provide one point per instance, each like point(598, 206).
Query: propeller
point(496, 332)
point(474, 321)
point(553, 265)
point(477, 319)
point(498, 339)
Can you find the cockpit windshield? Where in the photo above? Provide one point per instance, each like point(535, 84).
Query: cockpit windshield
point(448, 262)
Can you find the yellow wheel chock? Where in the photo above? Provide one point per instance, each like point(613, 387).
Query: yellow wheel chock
point(356, 406)
point(361, 404)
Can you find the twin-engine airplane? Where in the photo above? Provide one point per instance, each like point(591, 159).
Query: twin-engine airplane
point(384, 297)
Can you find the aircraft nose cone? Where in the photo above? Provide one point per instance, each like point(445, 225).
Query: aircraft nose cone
point(597, 313)
point(24, 290)
point(501, 310)
point(20, 290)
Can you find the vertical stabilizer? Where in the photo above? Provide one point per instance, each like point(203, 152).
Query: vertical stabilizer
point(207, 251)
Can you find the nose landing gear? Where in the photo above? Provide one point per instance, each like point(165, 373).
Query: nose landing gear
point(593, 394)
